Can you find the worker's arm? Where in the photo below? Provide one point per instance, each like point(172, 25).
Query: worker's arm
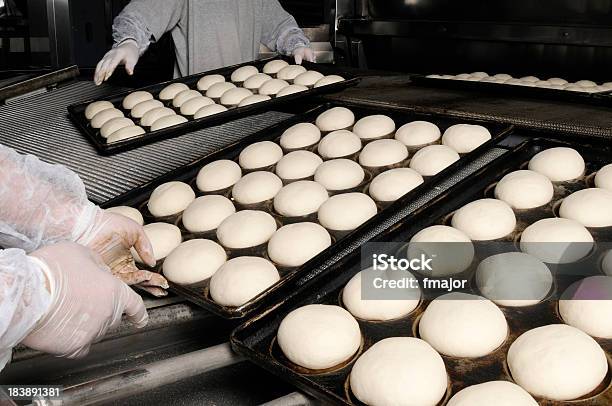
point(282, 34)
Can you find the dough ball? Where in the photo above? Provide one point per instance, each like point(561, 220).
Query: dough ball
point(463, 325)
point(135, 98)
point(606, 263)
point(295, 244)
point(115, 124)
point(256, 81)
point(451, 250)
point(346, 212)
point(308, 78)
point(377, 310)
point(329, 80)
point(319, 336)
point(393, 184)
point(141, 108)
point(241, 279)
point(463, 76)
point(530, 79)
point(558, 164)
point(514, 279)
point(336, 118)
point(500, 393)
point(128, 212)
point(300, 198)
point(125, 133)
point(339, 174)
point(207, 81)
point(256, 187)
point(260, 155)
point(587, 305)
point(603, 179)
point(502, 76)
point(291, 89)
point(209, 111)
point(373, 127)
point(104, 116)
point(465, 138)
point(275, 66)
point(94, 108)
point(574, 88)
point(557, 240)
point(246, 229)
point(167, 121)
point(206, 213)
point(170, 91)
point(399, 371)
point(383, 153)
point(170, 198)
point(190, 107)
point(233, 97)
point(290, 72)
point(541, 359)
point(218, 89)
point(585, 83)
point(218, 175)
point(479, 75)
point(164, 238)
point(557, 81)
point(590, 207)
point(185, 96)
point(298, 165)
point(339, 144)
point(243, 73)
point(155, 114)
point(485, 219)
point(525, 189)
point(272, 87)
point(193, 261)
point(254, 99)
point(433, 159)
point(418, 133)
point(300, 135)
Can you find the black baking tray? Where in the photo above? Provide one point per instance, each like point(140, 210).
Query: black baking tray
point(76, 112)
point(256, 338)
point(198, 293)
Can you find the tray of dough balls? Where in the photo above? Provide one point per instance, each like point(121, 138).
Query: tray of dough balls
point(169, 109)
point(530, 322)
point(233, 229)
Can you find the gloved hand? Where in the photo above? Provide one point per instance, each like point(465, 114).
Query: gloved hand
point(86, 301)
point(126, 53)
point(304, 53)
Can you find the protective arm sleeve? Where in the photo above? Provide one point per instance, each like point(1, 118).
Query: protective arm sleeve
point(281, 32)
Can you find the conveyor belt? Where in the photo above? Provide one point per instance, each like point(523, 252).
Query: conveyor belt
point(39, 125)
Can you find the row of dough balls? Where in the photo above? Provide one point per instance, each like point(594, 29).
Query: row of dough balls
point(585, 86)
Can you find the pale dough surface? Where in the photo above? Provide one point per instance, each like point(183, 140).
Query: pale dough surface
point(246, 229)
point(272, 87)
point(499, 393)
point(243, 73)
point(184, 96)
point(134, 98)
point(170, 198)
point(298, 165)
point(603, 179)
point(207, 81)
point(167, 121)
point(273, 67)
point(209, 111)
point(256, 187)
point(300, 198)
point(375, 126)
point(254, 99)
point(485, 219)
point(105, 115)
point(465, 138)
point(218, 175)
point(295, 244)
point(291, 89)
point(557, 240)
point(153, 115)
point(394, 183)
point(300, 135)
point(525, 189)
point(587, 305)
point(433, 159)
point(115, 124)
point(233, 97)
point(128, 212)
point(383, 153)
point(193, 261)
point(94, 108)
point(255, 81)
point(339, 174)
point(308, 78)
point(328, 80)
point(206, 213)
point(164, 238)
point(451, 250)
point(141, 108)
point(336, 118)
point(339, 144)
point(218, 89)
point(558, 164)
point(590, 207)
point(260, 155)
point(190, 107)
point(170, 91)
point(346, 211)
point(125, 133)
point(417, 133)
point(290, 72)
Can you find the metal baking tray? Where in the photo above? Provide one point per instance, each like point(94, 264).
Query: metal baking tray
point(256, 338)
point(77, 111)
point(198, 293)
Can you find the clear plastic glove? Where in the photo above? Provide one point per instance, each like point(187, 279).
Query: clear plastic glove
point(86, 301)
point(126, 53)
point(304, 54)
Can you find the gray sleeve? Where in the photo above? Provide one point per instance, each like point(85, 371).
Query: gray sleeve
point(280, 30)
point(145, 21)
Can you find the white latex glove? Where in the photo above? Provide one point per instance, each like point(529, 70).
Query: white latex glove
point(304, 54)
point(86, 301)
point(126, 53)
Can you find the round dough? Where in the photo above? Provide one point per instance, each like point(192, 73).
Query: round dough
point(94, 108)
point(329, 80)
point(290, 72)
point(207, 81)
point(300, 135)
point(530, 79)
point(336, 118)
point(291, 89)
point(451, 250)
point(209, 111)
point(585, 83)
point(260, 155)
point(155, 114)
point(465, 138)
point(272, 87)
point(254, 99)
point(115, 124)
point(125, 133)
point(383, 153)
point(164, 238)
point(193, 261)
point(135, 98)
point(433, 159)
point(256, 187)
point(128, 212)
point(463, 325)
point(377, 310)
point(241, 279)
point(514, 279)
point(298, 165)
point(319, 336)
point(300, 198)
point(233, 97)
point(339, 144)
point(587, 305)
point(206, 213)
point(485, 219)
point(557, 81)
point(308, 78)
point(557, 240)
point(170, 91)
point(479, 75)
point(603, 179)
point(167, 121)
point(373, 127)
point(558, 164)
point(502, 76)
point(399, 371)
point(104, 116)
point(170, 198)
point(499, 393)
point(246, 229)
point(540, 361)
point(525, 189)
point(192, 106)
point(256, 81)
point(394, 183)
point(218, 175)
point(275, 66)
point(243, 73)
point(590, 207)
point(418, 133)
point(141, 108)
point(184, 96)
point(347, 211)
point(295, 244)
point(218, 89)
point(339, 174)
